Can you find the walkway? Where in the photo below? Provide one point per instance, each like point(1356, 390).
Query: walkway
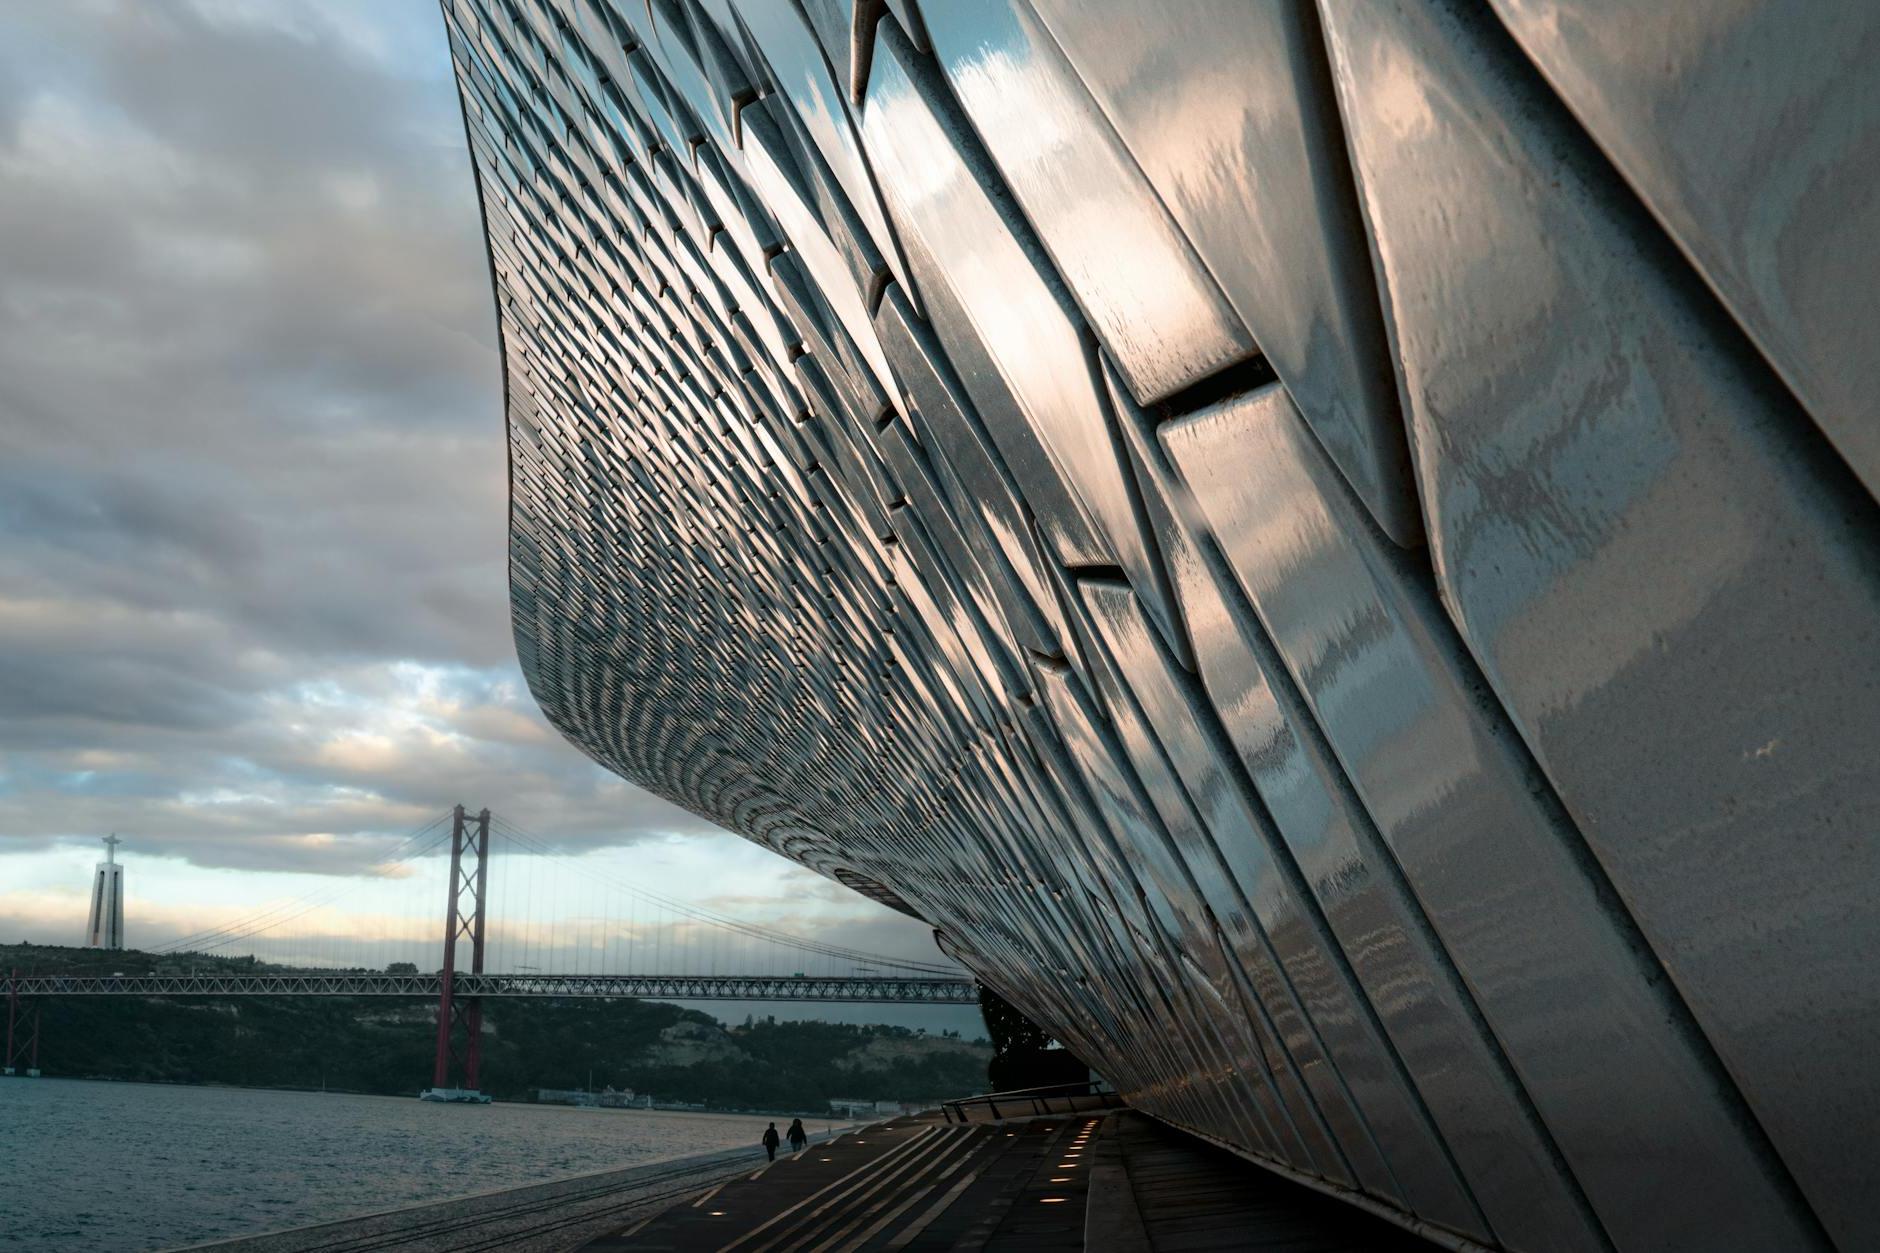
point(1190, 1197)
point(918, 1184)
point(535, 1218)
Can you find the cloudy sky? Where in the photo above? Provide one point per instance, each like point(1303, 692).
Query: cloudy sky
point(253, 611)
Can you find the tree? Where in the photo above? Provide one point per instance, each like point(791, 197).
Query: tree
point(402, 968)
point(1007, 1027)
point(1023, 1053)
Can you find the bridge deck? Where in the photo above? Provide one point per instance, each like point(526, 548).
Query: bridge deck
point(656, 987)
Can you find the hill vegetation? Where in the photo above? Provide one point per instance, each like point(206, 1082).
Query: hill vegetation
point(382, 1045)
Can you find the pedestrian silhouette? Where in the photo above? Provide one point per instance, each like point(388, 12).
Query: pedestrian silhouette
point(797, 1136)
point(771, 1141)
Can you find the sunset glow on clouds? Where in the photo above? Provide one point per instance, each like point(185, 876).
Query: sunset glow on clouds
point(253, 597)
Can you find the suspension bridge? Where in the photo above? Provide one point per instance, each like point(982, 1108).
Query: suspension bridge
point(521, 918)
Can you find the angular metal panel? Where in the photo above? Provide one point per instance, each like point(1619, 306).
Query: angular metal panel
point(1516, 888)
point(1752, 130)
point(1341, 656)
point(1227, 108)
point(1619, 501)
point(1161, 317)
point(1503, 878)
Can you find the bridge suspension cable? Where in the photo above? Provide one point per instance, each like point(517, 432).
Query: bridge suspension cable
point(712, 918)
point(549, 910)
point(413, 847)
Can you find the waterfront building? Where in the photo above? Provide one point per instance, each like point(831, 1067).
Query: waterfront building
point(605, 1098)
point(857, 1108)
point(106, 927)
point(566, 1096)
point(1329, 550)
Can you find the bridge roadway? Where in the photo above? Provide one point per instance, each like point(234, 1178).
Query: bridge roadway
point(654, 987)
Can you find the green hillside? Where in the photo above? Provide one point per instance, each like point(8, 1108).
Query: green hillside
point(381, 1045)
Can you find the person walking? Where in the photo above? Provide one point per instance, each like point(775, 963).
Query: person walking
point(798, 1137)
point(771, 1141)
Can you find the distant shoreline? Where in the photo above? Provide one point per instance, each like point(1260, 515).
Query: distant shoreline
point(709, 1111)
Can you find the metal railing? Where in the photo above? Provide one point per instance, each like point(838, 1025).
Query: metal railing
point(1056, 1098)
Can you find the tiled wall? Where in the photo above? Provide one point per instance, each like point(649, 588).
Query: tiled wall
point(1330, 552)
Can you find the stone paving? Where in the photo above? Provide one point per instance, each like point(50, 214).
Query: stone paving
point(1194, 1198)
point(1118, 1183)
point(535, 1218)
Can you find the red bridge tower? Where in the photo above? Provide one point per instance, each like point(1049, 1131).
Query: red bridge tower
point(460, 1019)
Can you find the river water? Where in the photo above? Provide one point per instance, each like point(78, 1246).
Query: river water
point(129, 1166)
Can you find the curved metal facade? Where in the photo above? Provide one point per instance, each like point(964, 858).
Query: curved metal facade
point(1330, 552)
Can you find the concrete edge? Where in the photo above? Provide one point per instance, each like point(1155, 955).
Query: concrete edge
point(1112, 1220)
point(737, 1158)
point(1442, 1237)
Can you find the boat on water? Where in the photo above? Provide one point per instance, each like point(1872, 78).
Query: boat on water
point(455, 1096)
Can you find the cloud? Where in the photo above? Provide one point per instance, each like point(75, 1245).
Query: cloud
point(252, 495)
point(253, 593)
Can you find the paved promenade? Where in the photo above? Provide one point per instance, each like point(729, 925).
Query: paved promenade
point(1112, 1184)
point(536, 1218)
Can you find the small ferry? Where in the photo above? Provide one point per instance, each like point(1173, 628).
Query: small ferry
point(457, 1096)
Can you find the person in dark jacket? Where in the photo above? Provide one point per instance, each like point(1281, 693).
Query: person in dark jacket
point(771, 1141)
point(796, 1135)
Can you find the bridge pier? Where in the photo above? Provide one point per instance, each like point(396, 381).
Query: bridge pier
point(460, 1018)
point(22, 1031)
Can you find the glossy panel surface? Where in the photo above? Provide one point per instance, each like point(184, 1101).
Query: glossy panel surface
point(1670, 495)
point(1752, 130)
point(1257, 485)
point(1226, 107)
point(1500, 872)
point(1159, 314)
point(1016, 307)
point(1517, 886)
point(800, 72)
